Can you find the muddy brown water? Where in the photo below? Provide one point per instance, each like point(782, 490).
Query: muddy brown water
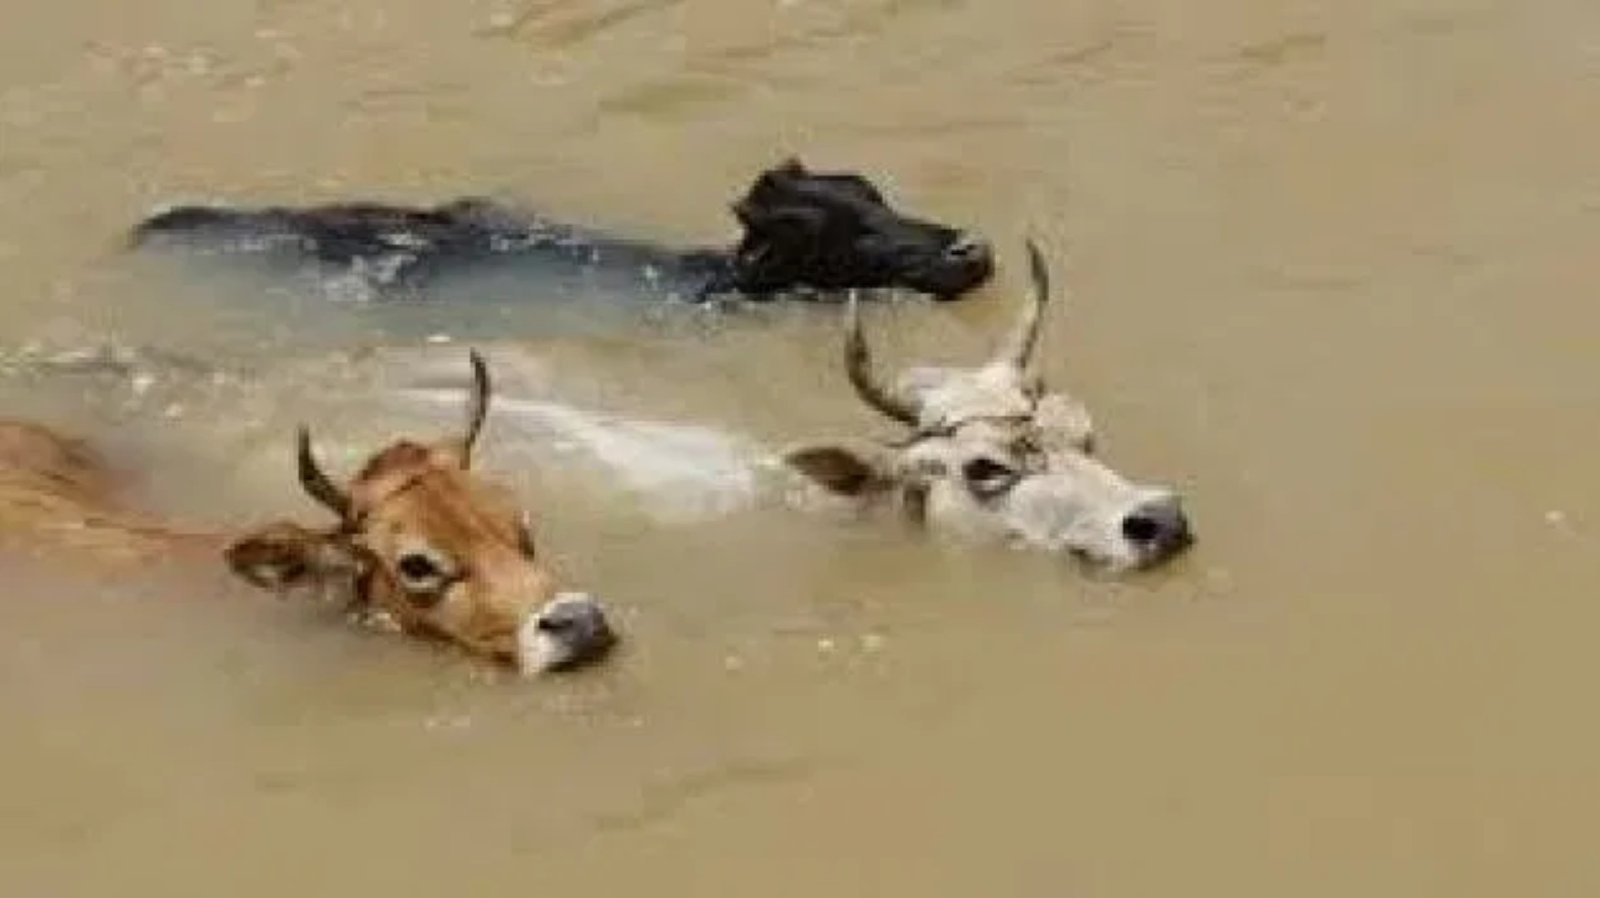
point(1326, 267)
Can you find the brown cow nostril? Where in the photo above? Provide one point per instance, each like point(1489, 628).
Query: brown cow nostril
point(572, 631)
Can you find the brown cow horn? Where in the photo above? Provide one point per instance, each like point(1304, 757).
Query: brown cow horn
point(1018, 348)
point(317, 484)
point(858, 362)
point(477, 406)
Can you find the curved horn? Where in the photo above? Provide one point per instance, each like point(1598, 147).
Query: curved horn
point(477, 406)
point(1018, 348)
point(317, 484)
point(858, 362)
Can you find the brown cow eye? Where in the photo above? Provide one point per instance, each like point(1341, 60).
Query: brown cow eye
point(420, 572)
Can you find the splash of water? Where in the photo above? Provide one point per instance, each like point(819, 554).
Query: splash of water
point(679, 471)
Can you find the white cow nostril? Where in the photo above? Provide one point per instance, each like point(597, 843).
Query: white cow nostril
point(1159, 527)
point(1140, 528)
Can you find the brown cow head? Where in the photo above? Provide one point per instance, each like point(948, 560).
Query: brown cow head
point(993, 453)
point(424, 540)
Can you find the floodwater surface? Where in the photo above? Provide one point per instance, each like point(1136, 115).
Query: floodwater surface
point(1327, 268)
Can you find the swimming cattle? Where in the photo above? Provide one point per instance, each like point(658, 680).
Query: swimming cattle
point(802, 231)
point(418, 537)
point(991, 452)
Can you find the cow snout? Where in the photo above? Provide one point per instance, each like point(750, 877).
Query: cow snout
point(568, 632)
point(1158, 528)
point(961, 265)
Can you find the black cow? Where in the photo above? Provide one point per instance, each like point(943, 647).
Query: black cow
point(802, 229)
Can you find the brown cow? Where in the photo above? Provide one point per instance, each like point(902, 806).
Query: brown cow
point(419, 538)
point(56, 490)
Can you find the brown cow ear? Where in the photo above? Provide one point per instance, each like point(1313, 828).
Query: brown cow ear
point(282, 555)
point(842, 470)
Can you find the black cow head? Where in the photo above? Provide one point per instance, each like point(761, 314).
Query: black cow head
point(835, 231)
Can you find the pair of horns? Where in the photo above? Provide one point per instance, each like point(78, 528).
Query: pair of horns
point(319, 486)
point(907, 408)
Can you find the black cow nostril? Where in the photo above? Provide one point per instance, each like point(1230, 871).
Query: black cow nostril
point(966, 248)
point(1140, 528)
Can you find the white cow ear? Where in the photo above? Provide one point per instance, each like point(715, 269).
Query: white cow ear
point(842, 470)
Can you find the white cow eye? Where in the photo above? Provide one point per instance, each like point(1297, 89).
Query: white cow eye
point(987, 477)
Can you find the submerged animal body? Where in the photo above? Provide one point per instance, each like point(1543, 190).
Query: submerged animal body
point(992, 453)
point(419, 538)
point(802, 230)
point(56, 491)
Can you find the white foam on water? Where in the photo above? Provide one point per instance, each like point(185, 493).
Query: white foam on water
point(681, 472)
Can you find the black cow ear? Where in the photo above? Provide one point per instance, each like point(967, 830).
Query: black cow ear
point(747, 212)
point(780, 223)
point(855, 187)
point(775, 186)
